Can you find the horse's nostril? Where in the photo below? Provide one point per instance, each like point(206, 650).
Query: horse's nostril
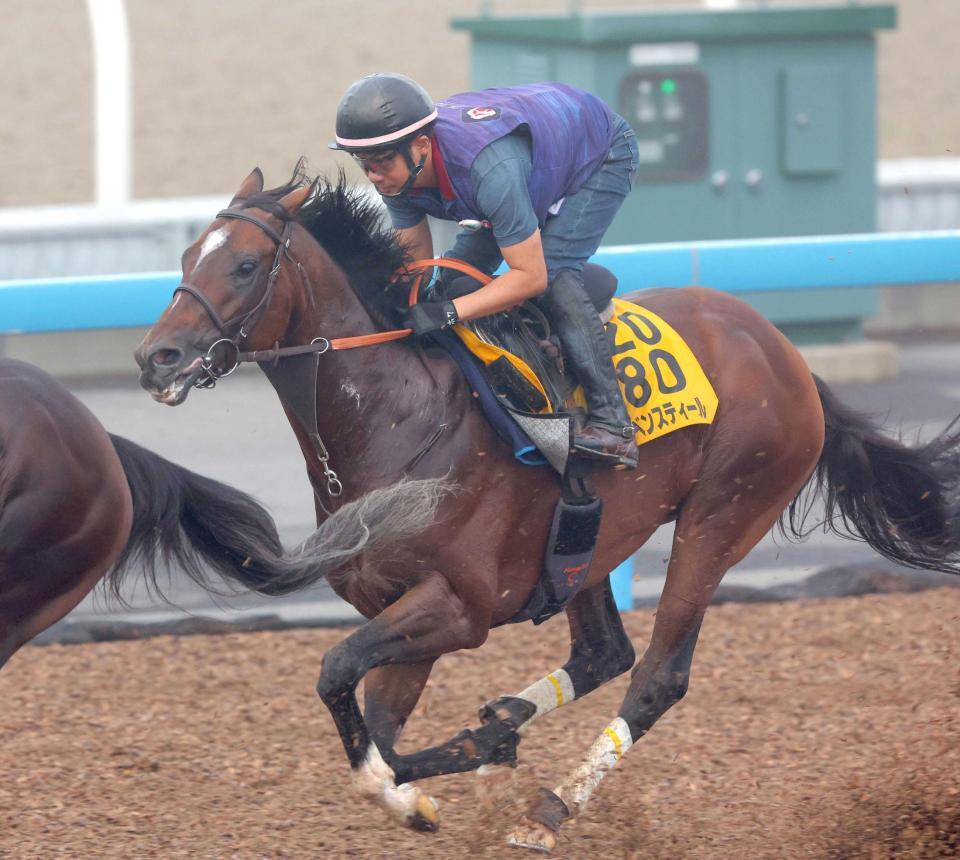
point(165, 357)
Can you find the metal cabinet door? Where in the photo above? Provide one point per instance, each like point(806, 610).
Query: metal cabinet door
point(806, 140)
point(684, 194)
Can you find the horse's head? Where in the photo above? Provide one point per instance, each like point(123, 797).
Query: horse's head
point(236, 292)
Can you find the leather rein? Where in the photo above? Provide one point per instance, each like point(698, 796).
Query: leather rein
point(318, 345)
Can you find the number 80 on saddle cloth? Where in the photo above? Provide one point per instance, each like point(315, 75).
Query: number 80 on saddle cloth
point(662, 383)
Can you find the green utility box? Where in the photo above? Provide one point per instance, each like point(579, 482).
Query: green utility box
point(751, 122)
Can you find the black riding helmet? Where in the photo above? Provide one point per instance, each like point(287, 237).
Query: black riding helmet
point(383, 113)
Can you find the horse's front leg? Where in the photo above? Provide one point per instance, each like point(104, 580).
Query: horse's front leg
point(427, 621)
point(600, 650)
point(390, 693)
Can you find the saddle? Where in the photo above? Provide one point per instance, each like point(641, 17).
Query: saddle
point(525, 333)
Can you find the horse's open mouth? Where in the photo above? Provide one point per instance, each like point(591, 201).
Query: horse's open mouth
point(176, 392)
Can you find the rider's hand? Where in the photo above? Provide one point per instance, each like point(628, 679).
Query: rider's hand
point(426, 317)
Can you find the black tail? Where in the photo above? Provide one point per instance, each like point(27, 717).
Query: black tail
point(903, 501)
point(196, 524)
point(182, 519)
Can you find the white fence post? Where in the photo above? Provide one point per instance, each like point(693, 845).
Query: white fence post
point(112, 101)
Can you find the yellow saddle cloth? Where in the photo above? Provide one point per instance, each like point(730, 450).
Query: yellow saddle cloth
point(663, 386)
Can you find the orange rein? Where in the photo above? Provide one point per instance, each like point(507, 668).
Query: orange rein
point(419, 266)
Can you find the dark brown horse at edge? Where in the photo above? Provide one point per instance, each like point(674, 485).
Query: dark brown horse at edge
point(78, 505)
point(292, 270)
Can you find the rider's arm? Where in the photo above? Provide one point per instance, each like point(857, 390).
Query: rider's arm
point(526, 278)
point(418, 240)
point(500, 175)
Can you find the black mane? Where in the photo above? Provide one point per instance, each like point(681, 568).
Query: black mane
point(351, 230)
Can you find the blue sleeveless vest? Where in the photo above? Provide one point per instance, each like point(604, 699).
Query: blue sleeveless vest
point(570, 132)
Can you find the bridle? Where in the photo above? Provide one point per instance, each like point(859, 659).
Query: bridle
point(283, 247)
point(319, 345)
point(301, 393)
point(234, 330)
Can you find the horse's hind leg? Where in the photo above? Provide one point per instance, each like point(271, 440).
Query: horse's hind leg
point(711, 536)
point(10, 642)
point(600, 650)
point(658, 681)
point(26, 607)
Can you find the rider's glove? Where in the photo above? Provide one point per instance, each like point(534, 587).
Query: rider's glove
point(426, 317)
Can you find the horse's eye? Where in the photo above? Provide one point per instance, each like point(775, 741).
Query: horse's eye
point(247, 267)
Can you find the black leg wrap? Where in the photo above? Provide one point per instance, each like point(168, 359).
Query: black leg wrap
point(600, 648)
point(510, 711)
point(495, 742)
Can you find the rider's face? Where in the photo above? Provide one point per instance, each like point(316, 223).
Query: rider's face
point(387, 171)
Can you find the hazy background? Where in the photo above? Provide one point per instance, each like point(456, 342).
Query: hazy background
point(223, 85)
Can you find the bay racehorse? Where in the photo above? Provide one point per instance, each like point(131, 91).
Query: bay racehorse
point(299, 275)
point(78, 504)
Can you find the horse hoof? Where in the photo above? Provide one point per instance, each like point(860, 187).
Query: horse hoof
point(426, 815)
point(533, 836)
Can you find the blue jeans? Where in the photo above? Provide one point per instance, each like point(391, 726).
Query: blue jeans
point(573, 235)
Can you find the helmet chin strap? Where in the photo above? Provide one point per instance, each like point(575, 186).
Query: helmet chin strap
point(413, 168)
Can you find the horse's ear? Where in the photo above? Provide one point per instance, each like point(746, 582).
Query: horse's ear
point(296, 198)
point(253, 184)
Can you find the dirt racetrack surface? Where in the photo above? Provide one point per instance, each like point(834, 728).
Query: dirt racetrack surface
point(818, 729)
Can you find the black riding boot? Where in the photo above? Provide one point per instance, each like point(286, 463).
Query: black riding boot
point(608, 434)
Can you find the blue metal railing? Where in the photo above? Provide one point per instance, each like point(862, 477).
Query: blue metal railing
point(743, 266)
point(764, 265)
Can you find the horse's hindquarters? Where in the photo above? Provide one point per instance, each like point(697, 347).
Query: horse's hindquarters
point(66, 507)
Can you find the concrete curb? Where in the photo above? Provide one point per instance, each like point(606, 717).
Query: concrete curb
point(864, 361)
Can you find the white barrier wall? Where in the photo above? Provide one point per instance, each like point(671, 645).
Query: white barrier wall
point(62, 241)
point(142, 236)
point(917, 194)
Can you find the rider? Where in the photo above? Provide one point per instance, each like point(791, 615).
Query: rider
point(542, 169)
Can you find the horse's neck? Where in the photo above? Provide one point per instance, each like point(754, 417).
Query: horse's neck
point(376, 405)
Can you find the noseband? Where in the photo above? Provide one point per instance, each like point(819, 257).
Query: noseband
point(243, 322)
point(236, 329)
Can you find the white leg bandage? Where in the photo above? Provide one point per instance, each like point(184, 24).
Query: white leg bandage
point(606, 751)
point(548, 694)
